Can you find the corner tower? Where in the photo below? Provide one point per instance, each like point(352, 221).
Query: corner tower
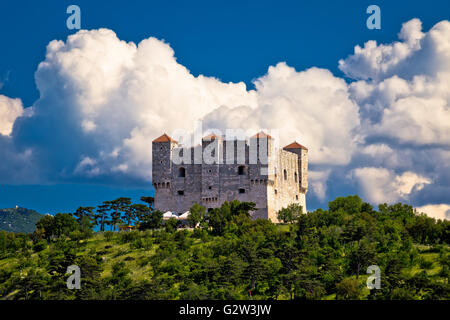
point(302, 154)
point(162, 154)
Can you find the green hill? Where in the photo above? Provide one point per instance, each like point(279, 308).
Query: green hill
point(324, 254)
point(19, 220)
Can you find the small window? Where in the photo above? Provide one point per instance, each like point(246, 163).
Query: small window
point(276, 192)
point(209, 187)
point(285, 174)
point(161, 162)
point(182, 172)
point(295, 177)
point(209, 170)
point(296, 197)
point(181, 192)
point(161, 148)
point(241, 190)
point(241, 170)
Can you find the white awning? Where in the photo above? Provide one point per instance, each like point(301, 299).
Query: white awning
point(167, 214)
point(185, 215)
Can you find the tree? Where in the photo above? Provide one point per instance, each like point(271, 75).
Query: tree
point(218, 218)
point(291, 213)
point(118, 208)
point(171, 225)
point(150, 219)
point(62, 224)
point(101, 216)
point(197, 214)
point(348, 289)
point(46, 226)
point(361, 255)
point(139, 211)
point(149, 200)
point(65, 224)
point(127, 214)
point(84, 212)
point(350, 204)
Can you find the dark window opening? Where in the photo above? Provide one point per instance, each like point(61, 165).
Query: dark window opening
point(296, 197)
point(295, 177)
point(241, 190)
point(209, 187)
point(181, 192)
point(276, 191)
point(285, 174)
point(241, 170)
point(182, 172)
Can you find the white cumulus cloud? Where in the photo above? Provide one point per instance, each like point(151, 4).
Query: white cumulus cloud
point(381, 185)
point(437, 211)
point(10, 110)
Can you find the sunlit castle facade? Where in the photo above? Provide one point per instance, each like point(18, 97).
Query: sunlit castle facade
point(250, 170)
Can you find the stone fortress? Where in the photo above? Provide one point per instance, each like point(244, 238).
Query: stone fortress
point(254, 171)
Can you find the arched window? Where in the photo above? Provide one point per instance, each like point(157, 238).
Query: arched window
point(285, 174)
point(182, 172)
point(241, 170)
point(295, 177)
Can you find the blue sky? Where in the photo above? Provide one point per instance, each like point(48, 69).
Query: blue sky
point(233, 41)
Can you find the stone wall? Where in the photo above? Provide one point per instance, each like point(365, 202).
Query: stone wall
point(212, 184)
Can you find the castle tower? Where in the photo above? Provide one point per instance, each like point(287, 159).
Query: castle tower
point(260, 152)
point(162, 148)
point(302, 154)
point(212, 150)
point(261, 145)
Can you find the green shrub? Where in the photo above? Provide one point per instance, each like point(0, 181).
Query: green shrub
point(109, 235)
point(128, 236)
point(40, 245)
point(142, 243)
point(425, 264)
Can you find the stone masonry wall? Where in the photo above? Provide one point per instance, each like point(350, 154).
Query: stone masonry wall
point(212, 184)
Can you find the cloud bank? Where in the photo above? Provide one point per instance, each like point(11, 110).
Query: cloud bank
point(385, 133)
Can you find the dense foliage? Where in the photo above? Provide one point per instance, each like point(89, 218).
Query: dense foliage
point(226, 255)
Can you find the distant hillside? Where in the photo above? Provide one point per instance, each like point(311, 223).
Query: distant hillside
point(19, 220)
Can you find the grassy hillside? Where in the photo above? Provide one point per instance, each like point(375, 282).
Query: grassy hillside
point(19, 220)
point(320, 255)
point(135, 251)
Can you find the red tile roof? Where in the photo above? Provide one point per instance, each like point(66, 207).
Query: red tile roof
point(295, 145)
point(211, 137)
point(262, 134)
point(164, 138)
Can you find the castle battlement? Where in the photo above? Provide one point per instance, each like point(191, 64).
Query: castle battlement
point(222, 170)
